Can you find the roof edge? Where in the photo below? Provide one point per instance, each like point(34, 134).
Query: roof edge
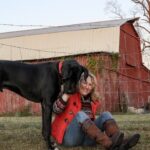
point(65, 28)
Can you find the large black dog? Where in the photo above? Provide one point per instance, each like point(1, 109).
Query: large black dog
point(41, 83)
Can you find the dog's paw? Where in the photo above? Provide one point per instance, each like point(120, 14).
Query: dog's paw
point(54, 146)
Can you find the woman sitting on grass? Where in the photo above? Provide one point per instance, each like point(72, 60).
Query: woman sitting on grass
point(75, 123)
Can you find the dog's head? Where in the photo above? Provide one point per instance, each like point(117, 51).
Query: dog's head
point(71, 73)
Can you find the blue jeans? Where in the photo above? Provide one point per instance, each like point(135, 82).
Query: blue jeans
point(75, 136)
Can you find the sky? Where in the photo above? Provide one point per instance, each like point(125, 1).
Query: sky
point(53, 12)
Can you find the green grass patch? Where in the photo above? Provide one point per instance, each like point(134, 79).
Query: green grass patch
point(24, 133)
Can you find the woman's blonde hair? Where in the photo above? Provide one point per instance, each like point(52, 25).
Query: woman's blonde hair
point(94, 93)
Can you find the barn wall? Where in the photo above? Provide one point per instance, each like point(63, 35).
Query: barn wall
point(11, 103)
point(52, 45)
point(122, 78)
point(118, 84)
point(134, 83)
point(107, 86)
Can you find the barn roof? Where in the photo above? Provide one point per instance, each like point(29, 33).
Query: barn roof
point(65, 28)
point(68, 40)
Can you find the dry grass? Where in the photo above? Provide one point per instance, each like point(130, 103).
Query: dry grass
point(24, 133)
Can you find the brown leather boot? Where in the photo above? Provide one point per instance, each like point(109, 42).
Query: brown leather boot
point(112, 131)
point(130, 142)
point(94, 132)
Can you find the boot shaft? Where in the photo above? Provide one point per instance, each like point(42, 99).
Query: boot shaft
point(94, 132)
point(100, 137)
point(111, 127)
point(112, 130)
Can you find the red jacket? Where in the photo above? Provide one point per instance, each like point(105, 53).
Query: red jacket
point(63, 119)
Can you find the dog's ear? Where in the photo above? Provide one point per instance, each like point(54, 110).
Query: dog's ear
point(66, 72)
point(1, 90)
point(69, 68)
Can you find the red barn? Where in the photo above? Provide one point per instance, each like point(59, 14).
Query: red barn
point(110, 49)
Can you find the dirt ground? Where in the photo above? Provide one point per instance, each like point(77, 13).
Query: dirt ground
point(24, 133)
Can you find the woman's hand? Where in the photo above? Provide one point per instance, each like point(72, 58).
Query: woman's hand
point(65, 97)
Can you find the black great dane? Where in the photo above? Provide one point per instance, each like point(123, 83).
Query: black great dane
point(41, 83)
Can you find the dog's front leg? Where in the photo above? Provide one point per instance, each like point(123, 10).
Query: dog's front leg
point(1, 87)
point(43, 108)
point(47, 117)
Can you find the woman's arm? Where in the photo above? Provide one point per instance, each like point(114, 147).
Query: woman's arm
point(60, 104)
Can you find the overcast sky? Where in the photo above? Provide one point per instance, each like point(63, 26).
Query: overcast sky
point(54, 12)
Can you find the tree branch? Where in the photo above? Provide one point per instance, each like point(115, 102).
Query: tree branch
point(143, 28)
point(142, 7)
point(145, 5)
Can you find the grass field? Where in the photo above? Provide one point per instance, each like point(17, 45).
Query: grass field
point(24, 133)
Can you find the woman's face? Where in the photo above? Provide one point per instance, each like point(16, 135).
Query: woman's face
point(86, 86)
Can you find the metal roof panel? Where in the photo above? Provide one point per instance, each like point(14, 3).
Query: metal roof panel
point(65, 28)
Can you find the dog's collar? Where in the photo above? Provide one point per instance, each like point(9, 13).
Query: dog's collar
point(60, 64)
point(60, 67)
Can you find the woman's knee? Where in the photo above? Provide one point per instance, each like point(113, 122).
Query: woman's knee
point(81, 116)
point(106, 115)
point(102, 118)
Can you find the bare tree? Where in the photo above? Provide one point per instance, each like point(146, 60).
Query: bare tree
point(115, 9)
point(141, 9)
